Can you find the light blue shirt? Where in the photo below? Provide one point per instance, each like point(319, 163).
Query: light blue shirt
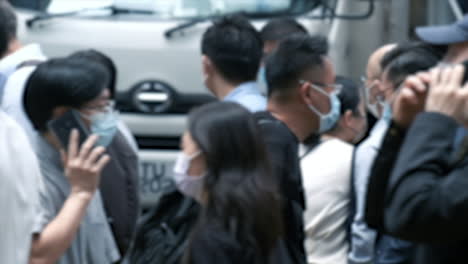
point(249, 96)
point(362, 237)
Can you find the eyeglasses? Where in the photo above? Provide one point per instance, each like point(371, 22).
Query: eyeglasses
point(364, 79)
point(335, 87)
point(108, 106)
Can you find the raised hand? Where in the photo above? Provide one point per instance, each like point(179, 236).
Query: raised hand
point(83, 165)
point(447, 94)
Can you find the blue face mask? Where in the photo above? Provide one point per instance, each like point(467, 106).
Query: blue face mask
point(105, 126)
point(328, 121)
point(387, 114)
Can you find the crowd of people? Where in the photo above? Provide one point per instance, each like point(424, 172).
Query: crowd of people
point(292, 163)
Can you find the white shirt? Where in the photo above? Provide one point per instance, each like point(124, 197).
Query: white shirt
point(362, 237)
point(326, 177)
point(10, 63)
point(13, 89)
point(20, 180)
point(12, 102)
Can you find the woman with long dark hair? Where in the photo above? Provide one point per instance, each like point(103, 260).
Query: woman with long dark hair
point(223, 165)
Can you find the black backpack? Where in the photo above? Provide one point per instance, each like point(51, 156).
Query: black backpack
point(163, 233)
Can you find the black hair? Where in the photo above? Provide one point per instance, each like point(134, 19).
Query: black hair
point(69, 82)
point(279, 28)
point(242, 197)
point(105, 60)
point(8, 26)
point(409, 58)
point(349, 95)
point(295, 54)
point(235, 48)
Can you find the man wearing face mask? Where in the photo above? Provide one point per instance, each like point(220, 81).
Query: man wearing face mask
point(71, 226)
point(302, 101)
point(402, 61)
point(362, 237)
point(372, 81)
point(326, 171)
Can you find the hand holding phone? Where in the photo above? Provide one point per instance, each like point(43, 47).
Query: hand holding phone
point(62, 127)
point(83, 164)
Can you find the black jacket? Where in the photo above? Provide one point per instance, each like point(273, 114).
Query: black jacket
point(282, 148)
point(417, 193)
point(119, 191)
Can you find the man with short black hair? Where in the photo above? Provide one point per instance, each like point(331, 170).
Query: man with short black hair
point(301, 102)
point(231, 52)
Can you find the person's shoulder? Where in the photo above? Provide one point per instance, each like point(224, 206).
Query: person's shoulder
point(10, 129)
point(339, 144)
point(15, 85)
point(275, 126)
point(332, 149)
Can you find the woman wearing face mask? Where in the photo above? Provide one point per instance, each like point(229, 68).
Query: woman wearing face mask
point(326, 171)
point(223, 166)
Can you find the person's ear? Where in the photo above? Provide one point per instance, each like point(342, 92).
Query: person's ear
point(306, 93)
point(207, 67)
point(348, 118)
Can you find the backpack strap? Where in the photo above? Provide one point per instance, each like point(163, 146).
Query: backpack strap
point(29, 63)
point(352, 197)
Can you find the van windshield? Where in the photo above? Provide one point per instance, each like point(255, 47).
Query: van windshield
point(188, 9)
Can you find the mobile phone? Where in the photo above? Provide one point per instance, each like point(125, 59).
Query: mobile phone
point(62, 127)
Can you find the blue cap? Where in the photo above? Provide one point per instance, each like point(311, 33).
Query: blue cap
point(446, 34)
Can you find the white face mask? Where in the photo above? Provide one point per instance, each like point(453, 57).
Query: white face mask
point(189, 185)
